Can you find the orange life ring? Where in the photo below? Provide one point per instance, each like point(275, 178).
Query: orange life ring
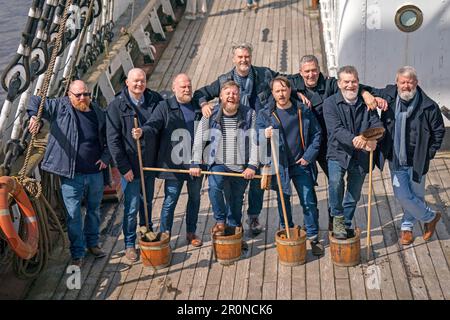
point(24, 249)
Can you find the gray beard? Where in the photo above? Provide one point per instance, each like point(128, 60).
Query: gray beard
point(407, 95)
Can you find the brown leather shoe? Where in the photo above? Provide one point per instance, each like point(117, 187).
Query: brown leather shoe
point(193, 239)
point(131, 254)
point(431, 226)
point(406, 237)
point(219, 228)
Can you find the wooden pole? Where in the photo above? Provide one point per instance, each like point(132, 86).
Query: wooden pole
point(369, 209)
point(280, 189)
point(228, 174)
point(141, 171)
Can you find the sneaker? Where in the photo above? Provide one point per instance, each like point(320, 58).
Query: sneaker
point(255, 6)
point(254, 225)
point(316, 248)
point(247, 7)
point(190, 16)
point(430, 227)
point(200, 15)
point(339, 228)
point(131, 254)
point(97, 252)
point(77, 262)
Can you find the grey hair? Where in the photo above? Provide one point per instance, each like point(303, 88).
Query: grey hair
point(244, 45)
point(348, 69)
point(407, 71)
point(308, 58)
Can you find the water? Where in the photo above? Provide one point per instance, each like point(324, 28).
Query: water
point(13, 17)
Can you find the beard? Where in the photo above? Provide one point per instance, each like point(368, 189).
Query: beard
point(407, 95)
point(83, 106)
point(230, 107)
point(350, 95)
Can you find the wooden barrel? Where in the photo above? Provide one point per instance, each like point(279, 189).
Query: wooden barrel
point(156, 254)
point(227, 247)
point(345, 253)
point(291, 252)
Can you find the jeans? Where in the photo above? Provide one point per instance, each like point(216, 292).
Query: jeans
point(133, 202)
point(340, 204)
point(411, 196)
point(255, 198)
point(82, 234)
point(304, 184)
point(227, 196)
point(172, 190)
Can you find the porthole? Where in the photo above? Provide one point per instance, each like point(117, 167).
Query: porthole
point(408, 18)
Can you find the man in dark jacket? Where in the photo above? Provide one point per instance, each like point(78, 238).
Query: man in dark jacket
point(174, 121)
point(298, 138)
point(254, 93)
point(312, 84)
point(133, 101)
point(414, 133)
point(347, 117)
point(76, 152)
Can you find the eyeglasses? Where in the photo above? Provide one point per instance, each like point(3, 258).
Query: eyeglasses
point(78, 95)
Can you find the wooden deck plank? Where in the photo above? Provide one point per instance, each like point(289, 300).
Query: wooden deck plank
point(190, 265)
point(401, 283)
point(408, 255)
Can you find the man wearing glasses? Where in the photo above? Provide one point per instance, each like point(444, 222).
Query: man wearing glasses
point(77, 153)
point(135, 100)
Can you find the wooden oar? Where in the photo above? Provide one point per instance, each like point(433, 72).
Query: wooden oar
point(217, 173)
point(141, 171)
point(371, 134)
point(369, 209)
point(280, 189)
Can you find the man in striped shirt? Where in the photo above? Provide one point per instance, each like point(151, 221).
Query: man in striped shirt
point(226, 142)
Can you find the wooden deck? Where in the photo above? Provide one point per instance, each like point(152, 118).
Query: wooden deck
point(281, 32)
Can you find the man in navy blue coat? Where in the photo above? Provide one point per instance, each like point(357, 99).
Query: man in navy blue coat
point(76, 152)
point(299, 136)
point(174, 120)
point(346, 118)
point(414, 133)
point(133, 101)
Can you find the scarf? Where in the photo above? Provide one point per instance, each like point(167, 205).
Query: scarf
point(245, 86)
point(400, 128)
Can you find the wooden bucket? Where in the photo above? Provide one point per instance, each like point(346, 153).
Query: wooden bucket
point(345, 253)
point(156, 254)
point(291, 252)
point(227, 247)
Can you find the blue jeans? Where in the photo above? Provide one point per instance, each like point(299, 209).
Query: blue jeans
point(172, 190)
point(255, 198)
point(304, 184)
point(82, 234)
point(133, 202)
point(340, 204)
point(411, 196)
point(227, 196)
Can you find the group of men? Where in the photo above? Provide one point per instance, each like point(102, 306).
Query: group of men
point(310, 118)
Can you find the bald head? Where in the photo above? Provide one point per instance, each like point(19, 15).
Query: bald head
point(136, 82)
point(182, 88)
point(79, 95)
point(78, 84)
